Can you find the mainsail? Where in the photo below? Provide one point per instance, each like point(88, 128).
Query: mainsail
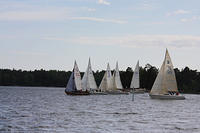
point(74, 82)
point(88, 81)
point(107, 81)
point(116, 78)
point(135, 82)
point(166, 79)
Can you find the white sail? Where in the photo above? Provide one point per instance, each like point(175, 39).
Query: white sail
point(166, 79)
point(135, 82)
point(109, 78)
point(103, 84)
point(107, 81)
point(88, 81)
point(84, 81)
point(116, 78)
point(77, 77)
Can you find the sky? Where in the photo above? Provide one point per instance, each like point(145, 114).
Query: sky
point(52, 34)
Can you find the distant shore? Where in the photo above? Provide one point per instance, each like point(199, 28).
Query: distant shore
point(188, 80)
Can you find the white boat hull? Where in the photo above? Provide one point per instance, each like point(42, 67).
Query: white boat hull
point(167, 97)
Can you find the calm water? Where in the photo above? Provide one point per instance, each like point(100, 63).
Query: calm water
point(27, 109)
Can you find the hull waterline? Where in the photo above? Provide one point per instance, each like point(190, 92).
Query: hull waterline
point(167, 97)
point(74, 93)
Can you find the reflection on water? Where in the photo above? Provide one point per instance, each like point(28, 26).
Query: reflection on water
point(40, 109)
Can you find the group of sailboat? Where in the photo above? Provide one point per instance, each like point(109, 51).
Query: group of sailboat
point(89, 83)
point(74, 86)
point(164, 87)
point(111, 84)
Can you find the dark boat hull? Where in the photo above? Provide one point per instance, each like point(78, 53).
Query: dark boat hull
point(116, 93)
point(74, 93)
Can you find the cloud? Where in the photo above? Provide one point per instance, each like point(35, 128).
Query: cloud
point(194, 18)
point(177, 12)
point(104, 2)
point(88, 9)
point(178, 41)
point(28, 53)
point(99, 20)
point(7, 36)
point(91, 9)
point(32, 15)
point(50, 15)
point(145, 6)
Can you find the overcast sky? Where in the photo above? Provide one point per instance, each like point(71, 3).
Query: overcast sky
point(51, 34)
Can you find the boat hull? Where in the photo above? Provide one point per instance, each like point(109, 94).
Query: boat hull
point(98, 93)
point(167, 97)
point(139, 91)
point(116, 93)
point(74, 93)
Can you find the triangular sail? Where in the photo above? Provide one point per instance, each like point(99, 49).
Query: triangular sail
point(71, 83)
point(84, 81)
point(103, 84)
point(135, 82)
point(166, 79)
point(116, 78)
point(158, 86)
point(109, 78)
point(170, 78)
point(88, 81)
point(107, 81)
point(77, 77)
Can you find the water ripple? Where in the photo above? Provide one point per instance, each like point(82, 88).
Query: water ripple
point(40, 109)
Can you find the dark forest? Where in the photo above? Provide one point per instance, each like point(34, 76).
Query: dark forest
point(188, 80)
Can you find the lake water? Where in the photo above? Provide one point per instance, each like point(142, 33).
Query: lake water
point(40, 109)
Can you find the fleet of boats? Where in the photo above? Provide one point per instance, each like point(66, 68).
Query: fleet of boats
point(164, 87)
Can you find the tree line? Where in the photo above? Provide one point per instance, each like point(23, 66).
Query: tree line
point(188, 80)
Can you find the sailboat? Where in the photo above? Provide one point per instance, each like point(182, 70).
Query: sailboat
point(88, 80)
point(135, 82)
point(165, 85)
point(74, 84)
point(111, 84)
point(117, 84)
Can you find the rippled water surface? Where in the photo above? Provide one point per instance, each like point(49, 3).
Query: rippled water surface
point(39, 109)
